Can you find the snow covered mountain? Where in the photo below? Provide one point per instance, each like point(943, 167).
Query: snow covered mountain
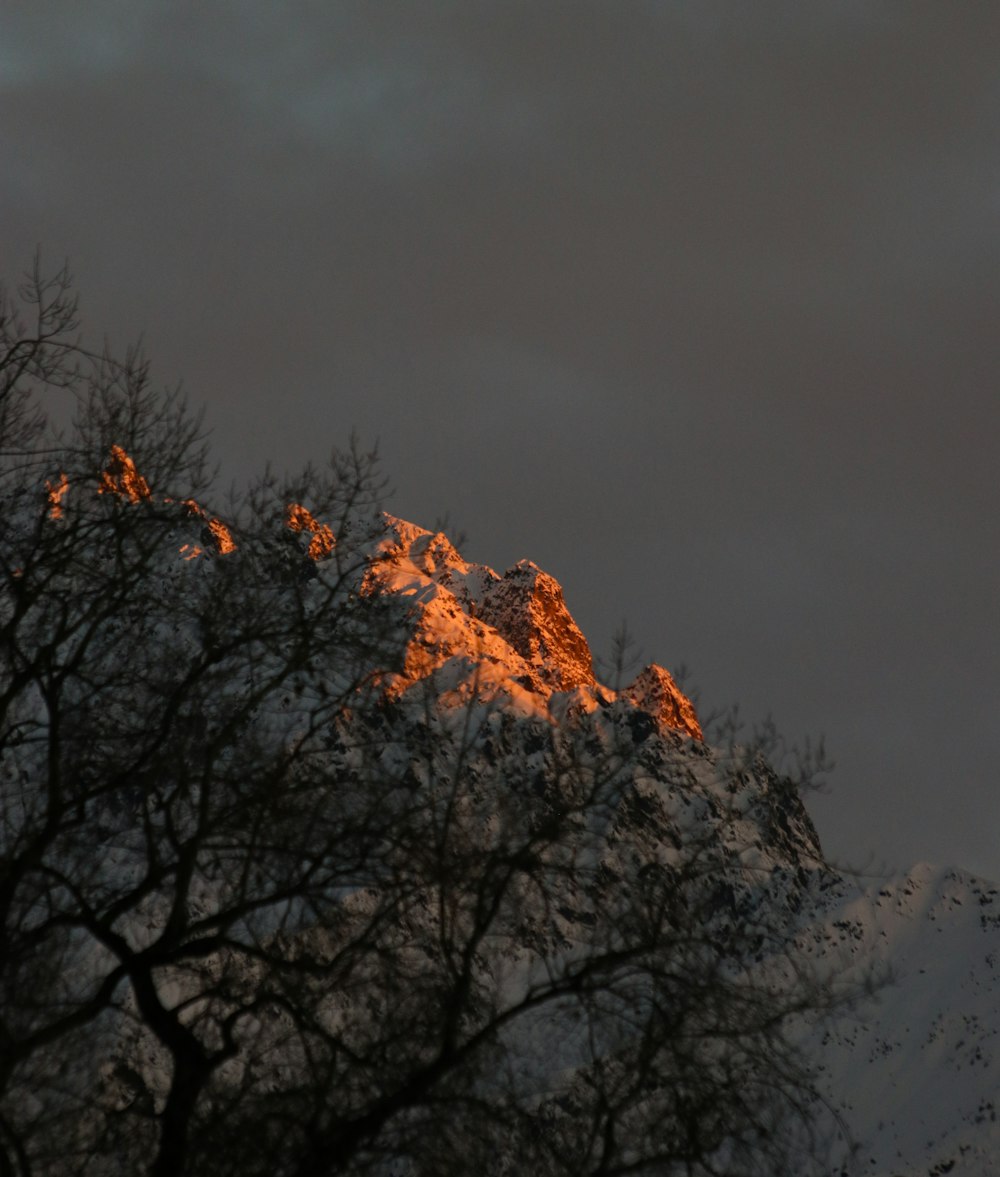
point(325, 850)
point(914, 1071)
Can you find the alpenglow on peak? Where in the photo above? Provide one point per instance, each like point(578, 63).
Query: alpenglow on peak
point(508, 637)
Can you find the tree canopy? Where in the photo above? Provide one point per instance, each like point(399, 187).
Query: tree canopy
point(258, 914)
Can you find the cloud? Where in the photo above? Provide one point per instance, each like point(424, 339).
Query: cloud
point(705, 291)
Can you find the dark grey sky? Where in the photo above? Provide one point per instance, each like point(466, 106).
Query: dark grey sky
point(694, 304)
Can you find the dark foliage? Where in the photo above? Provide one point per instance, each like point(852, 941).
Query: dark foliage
point(258, 917)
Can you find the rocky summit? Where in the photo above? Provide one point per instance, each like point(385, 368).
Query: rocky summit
point(509, 636)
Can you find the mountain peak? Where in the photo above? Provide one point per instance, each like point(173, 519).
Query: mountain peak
point(509, 637)
point(655, 692)
point(526, 606)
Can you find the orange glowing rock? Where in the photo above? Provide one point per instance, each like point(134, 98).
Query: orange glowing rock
point(56, 495)
point(122, 479)
point(222, 535)
point(321, 544)
point(655, 692)
point(509, 637)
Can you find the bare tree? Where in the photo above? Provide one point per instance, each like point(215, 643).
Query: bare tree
point(259, 915)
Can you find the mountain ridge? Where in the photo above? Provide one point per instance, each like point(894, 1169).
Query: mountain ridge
point(517, 625)
point(491, 722)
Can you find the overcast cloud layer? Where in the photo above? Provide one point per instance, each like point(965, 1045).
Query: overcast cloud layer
point(694, 304)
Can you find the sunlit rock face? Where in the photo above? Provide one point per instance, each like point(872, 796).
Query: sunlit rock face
point(526, 607)
point(510, 638)
point(121, 478)
point(321, 539)
point(655, 692)
point(122, 482)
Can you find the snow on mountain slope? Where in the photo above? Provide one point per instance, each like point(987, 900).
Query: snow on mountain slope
point(492, 692)
point(916, 1071)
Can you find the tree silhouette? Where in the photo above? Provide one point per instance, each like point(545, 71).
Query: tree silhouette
point(258, 914)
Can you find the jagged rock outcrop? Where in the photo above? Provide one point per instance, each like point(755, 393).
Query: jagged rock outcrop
point(655, 692)
point(526, 607)
point(510, 636)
